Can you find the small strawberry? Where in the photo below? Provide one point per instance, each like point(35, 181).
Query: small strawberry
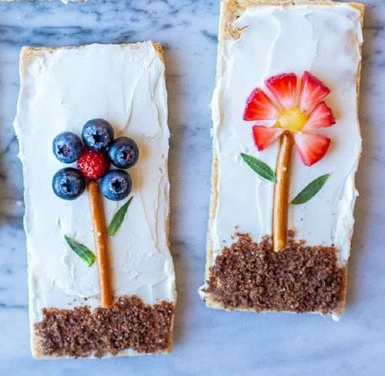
point(259, 107)
point(312, 147)
point(265, 136)
point(93, 164)
point(320, 117)
point(312, 92)
point(284, 88)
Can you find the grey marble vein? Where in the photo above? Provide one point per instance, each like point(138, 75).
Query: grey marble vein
point(206, 342)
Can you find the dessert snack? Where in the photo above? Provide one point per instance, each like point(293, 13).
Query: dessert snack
point(93, 134)
point(286, 143)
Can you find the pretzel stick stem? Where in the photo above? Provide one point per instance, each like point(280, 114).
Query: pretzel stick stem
point(281, 192)
point(101, 244)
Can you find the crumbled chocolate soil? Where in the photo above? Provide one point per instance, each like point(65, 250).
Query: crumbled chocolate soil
point(300, 278)
point(129, 323)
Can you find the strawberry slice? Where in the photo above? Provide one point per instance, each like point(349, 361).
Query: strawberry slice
point(320, 117)
point(312, 92)
point(283, 87)
point(312, 147)
point(259, 107)
point(265, 136)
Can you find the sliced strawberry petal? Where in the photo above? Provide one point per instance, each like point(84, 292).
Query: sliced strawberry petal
point(283, 87)
point(312, 92)
point(312, 147)
point(259, 107)
point(265, 136)
point(320, 117)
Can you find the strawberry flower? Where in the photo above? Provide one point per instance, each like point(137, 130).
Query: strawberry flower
point(294, 107)
point(292, 110)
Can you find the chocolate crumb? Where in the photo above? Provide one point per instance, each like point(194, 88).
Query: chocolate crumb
point(128, 324)
point(300, 278)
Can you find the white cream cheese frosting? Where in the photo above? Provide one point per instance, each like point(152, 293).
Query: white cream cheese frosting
point(324, 40)
point(61, 89)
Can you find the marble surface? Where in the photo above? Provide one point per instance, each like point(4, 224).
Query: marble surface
point(206, 342)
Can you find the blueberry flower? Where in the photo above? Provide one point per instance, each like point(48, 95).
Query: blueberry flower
point(94, 154)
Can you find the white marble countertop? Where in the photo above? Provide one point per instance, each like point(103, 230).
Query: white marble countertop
point(207, 342)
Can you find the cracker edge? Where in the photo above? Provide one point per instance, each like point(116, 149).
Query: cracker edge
point(27, 55)
point(230, 10)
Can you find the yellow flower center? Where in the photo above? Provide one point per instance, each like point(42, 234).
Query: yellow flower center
point(292, 119)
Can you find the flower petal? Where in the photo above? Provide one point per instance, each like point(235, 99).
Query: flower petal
point(284, 88)
point(265, 136)
point(311, 147)
point(259, 107)
point(320, 117)
point(312, 92)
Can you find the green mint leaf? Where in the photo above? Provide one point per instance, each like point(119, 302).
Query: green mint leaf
point(81, 250)
point(118, 218)
point(310, 190)
point(261, 168)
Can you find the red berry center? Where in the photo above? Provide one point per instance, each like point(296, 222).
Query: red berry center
point(93, 164)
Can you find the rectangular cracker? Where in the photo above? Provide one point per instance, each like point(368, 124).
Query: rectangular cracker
point(259, 39)
point(61, 89)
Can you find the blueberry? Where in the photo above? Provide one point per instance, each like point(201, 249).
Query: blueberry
point(116, 185)
point(123, 152)
point(68, 183)
point(97, 134)
point(67, 147)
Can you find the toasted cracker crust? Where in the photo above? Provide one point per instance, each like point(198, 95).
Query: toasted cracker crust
point(27, 55)
point(230, 10)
